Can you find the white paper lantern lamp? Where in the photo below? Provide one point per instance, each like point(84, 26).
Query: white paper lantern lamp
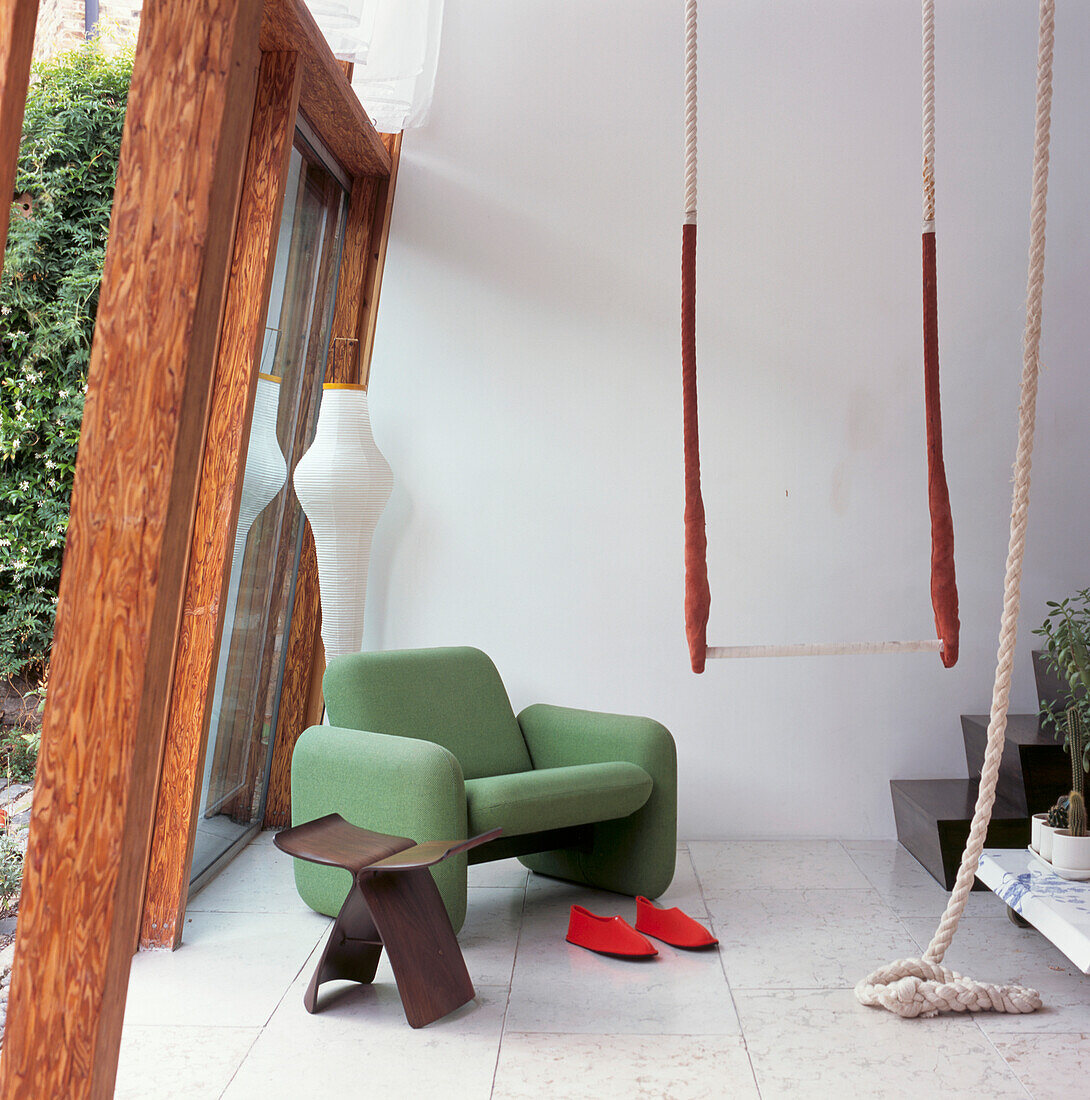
point(343, 483)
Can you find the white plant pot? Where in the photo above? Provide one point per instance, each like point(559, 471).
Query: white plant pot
point(1072, 853)
point(1045, 851)
point(1035, 824)
point(343, 483)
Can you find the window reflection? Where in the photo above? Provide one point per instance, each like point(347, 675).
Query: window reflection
point(257, 613)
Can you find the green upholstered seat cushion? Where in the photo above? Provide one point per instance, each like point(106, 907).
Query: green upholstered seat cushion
point(555, 798)
point(453, 697)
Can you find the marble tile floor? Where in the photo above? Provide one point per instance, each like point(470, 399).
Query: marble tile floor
point(771, 1014)
point(214, 836)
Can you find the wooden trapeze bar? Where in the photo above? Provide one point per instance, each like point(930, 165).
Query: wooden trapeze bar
point(824, 649)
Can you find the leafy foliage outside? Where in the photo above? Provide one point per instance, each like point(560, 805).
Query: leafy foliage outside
point(11, 871)
point(48, 297)
point(19, 754)
point(1066, 632)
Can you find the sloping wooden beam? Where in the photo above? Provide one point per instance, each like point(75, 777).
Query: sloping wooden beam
point(326, 97)
point(132, 512)
point(176, 815)
point(343, 364)
point(17, 19)
point(376, 261)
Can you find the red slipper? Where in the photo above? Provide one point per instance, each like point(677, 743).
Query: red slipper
point(672, 926)
point(606, 935)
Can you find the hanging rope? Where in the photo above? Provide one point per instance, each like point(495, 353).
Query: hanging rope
point(921, 987)
point(944, 588)
point(697, 593)
point(944, 596)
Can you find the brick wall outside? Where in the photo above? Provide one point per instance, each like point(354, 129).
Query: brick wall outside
point(119, 20)
point(60, 25)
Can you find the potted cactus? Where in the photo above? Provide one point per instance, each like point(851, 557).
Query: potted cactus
point(1043, 828)
point(1071, 845)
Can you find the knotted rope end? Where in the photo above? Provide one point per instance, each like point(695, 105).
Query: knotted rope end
point(913, 988)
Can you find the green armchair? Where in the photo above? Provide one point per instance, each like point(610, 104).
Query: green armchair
point(424, 744)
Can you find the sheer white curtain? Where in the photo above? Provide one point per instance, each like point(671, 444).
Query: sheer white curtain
point(396, 80)
point(347, 26)
point(394, 45)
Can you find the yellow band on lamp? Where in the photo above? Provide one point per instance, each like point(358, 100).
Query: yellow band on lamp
point(343, 386)
point(269, 377)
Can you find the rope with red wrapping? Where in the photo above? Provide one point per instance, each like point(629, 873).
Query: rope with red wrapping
point(944, 595)
point(697, 593)
point(944, 586)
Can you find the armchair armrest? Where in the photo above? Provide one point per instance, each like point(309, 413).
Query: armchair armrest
point(397, 785)
point(634, 855)
point(561, 736)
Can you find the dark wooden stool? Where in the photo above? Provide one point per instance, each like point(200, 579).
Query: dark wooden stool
point(393, 903)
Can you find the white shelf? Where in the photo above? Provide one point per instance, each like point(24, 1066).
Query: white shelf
point(1058, 908)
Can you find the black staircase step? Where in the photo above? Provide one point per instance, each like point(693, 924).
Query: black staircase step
point(1051, 687)
point(1034, 770)
point(933, 818)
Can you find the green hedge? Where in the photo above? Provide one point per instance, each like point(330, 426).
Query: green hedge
point(48, 296)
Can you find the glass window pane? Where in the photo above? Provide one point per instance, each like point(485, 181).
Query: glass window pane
point(257, 615)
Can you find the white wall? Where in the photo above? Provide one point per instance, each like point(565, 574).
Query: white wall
point(526, 382)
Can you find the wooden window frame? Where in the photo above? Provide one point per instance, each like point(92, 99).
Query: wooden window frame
point(158, 478)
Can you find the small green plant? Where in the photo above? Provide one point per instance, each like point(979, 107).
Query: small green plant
point(11, 871)
point(56, 245)
point(1066, 631)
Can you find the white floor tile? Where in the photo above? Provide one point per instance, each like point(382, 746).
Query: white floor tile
point(578, 991)
point(502, 872)
point(826, 1046)
point(359, 1044)
point(805, 939)
point(260, 879)
point(727, 865)
point(558, 987)
point(180, 1063)
point(641, 1067)
point(210, 844)
point(908, 887)
point(232, 969)
point(490, 934)
point(685, 890)
point(1049, 1066)
point(800, 922)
